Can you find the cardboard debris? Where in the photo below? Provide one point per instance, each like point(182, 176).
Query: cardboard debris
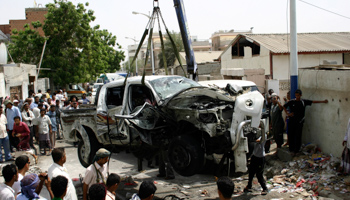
point(310, 175)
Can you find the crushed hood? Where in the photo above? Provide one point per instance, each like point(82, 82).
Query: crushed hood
point(188, 97)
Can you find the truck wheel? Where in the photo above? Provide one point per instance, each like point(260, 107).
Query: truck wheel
point(186, 155)
point(86, 161)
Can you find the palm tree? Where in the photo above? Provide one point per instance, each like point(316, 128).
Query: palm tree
point(169, 50)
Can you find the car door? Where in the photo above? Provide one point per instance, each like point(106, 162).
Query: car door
point(110, 103)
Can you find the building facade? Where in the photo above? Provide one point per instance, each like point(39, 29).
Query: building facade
point(221, 39)
point(32, 15)
point(271, 53)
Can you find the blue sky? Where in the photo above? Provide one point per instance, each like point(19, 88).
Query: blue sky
point(204, 16)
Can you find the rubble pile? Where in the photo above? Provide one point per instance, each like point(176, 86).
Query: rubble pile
point(310, 174)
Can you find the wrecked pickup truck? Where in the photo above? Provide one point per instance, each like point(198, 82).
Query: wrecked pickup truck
point(192, 122)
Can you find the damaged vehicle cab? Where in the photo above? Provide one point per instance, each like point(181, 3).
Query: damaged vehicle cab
point(172, 113)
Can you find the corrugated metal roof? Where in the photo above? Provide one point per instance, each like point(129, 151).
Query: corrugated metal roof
point(307, 42)
point(203, 56)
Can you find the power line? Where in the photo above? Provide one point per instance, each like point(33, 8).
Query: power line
point(325, 9)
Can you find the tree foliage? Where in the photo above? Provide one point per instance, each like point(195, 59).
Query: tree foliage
point(75, 51)
point(27, 44)
point(169, 50)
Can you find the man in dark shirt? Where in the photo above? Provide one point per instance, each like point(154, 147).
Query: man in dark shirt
point(277, 122)
point(296, 119)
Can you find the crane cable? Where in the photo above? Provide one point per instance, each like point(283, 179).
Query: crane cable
point(149, 31)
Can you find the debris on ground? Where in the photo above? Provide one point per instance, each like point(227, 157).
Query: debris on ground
point(310, 173)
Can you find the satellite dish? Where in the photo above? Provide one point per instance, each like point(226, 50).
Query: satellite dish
point(3, 53)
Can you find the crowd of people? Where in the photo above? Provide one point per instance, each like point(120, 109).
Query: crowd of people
point(34, 120)
point(98, 184)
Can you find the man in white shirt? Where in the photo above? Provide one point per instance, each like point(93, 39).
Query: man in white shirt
point(10, 174)
point(22, 163)
point(4, 138)
point(59, 95)
point(65, 95)
point(58, 169)
point(36, 111)
point(97, 171)
point(39, 94)
point(43, 130)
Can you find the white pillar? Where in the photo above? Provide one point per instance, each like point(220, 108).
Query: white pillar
point(293, 49)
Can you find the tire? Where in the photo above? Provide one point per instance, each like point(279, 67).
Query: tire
point(81, 151)
point(186, 155)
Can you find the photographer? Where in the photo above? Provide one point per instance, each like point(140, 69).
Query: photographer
point(32, 184)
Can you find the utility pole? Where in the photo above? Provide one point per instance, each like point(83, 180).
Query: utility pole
point(293, 49)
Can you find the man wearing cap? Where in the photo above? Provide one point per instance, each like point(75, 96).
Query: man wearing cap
point(97, 171)
point(11, 113)
point(20, 101)
point(4, 138)
point(15, 103)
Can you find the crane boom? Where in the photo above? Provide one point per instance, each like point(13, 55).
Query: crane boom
point(186, 38)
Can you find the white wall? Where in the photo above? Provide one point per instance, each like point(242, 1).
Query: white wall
point(18, 76)
point(281, 63)
point(247, 62)
point(325, 124)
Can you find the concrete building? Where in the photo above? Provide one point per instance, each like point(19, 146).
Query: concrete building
point(207, 63)
point(325, 124)
point(221, 39)
point(271, 53)
point(17, 79)
point(32, 14)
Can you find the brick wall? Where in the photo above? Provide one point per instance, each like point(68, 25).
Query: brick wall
point(5, 28)
point(32, 14)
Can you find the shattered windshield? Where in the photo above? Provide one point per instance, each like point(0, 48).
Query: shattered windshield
point(168, 86)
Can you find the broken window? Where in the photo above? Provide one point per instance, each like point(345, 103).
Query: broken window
point(169, 86)
point(238, 47)
point(115, 97)
point(139, 95)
